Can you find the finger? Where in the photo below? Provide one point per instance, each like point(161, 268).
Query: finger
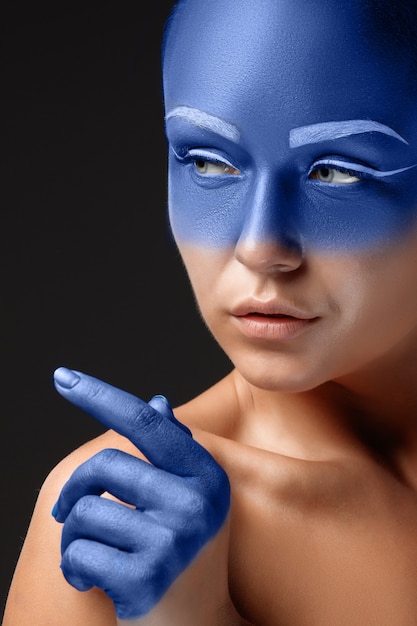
point(128, 580)
point(111, 523)
point(161, 404)
point(87, 564)
point(165, 444)
point(127, 478)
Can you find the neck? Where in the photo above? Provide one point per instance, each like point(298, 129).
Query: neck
point(384, 394)
point(375, 407)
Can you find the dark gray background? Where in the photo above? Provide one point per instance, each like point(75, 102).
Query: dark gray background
point(90, 276)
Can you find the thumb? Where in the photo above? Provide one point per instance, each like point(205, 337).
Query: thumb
point(162, 405)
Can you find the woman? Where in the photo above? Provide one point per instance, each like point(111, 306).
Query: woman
point(292, 139)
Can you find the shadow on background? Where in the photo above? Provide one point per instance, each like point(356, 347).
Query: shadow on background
point(90, 276)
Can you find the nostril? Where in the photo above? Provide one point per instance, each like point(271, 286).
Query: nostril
point(269, 256)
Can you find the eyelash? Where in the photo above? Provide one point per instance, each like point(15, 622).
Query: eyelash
point(358, 170)
point(193, 155)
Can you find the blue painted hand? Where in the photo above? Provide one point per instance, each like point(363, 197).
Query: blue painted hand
point(180, 501)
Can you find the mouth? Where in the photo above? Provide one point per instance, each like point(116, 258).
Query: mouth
point(277, 316)
point(270, 309)
point(271, 320)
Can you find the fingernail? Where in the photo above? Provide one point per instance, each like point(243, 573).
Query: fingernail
point(164, 400)
point(66, 378)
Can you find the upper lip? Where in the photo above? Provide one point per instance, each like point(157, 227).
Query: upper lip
point(270, 307)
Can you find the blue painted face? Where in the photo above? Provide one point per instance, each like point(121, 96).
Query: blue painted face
point(290, 124)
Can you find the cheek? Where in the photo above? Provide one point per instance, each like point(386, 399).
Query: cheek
point(363, 217)
point(374, 299)
point(210, 217)
point(205, 267)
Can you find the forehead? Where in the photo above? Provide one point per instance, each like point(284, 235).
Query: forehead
point(288, 61)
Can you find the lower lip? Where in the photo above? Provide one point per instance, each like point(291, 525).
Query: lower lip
point(272, 328)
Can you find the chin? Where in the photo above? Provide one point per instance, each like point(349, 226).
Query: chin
point(279, 375)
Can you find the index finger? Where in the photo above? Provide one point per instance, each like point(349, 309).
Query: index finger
point(163, 443)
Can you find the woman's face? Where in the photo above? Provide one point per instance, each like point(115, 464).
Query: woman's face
point(293, 185)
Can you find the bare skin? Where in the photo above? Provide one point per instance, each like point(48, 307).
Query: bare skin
point(322, 525)
point(319, 442)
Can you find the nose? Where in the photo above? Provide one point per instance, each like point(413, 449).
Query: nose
point(269, 240)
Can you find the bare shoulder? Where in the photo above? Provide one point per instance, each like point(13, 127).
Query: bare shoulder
point(39, 594)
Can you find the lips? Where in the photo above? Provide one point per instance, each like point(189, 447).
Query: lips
point(271, 320)
point(276, 315)
point(256, 316)
point(270, 309)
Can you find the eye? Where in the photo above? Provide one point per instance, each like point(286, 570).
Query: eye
point(207, 162)
point(214, 168)
point(334, 176)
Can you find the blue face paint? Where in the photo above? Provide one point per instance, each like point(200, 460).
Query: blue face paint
point(287, 124)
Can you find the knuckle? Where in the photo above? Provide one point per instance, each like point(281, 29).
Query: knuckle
point(94, 390)
point(73, 562)
point(106, 457)
point(197, 516)
point(194, 502)
point(167, 539)
point(72, 557)
point(98, 465)
point(74, 565)
point(82, 509)
point(143, 418)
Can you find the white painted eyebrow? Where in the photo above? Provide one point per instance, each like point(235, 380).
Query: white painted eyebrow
point(314, 133)
point(206, 121)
